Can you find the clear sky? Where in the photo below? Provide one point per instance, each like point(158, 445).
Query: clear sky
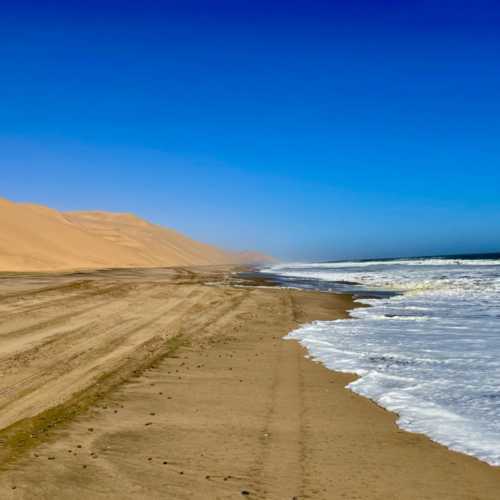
point(308, 130)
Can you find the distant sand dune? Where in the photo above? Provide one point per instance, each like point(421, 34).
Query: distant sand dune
point(38, 238)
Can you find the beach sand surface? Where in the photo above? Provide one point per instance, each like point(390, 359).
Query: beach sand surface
point(177, 383)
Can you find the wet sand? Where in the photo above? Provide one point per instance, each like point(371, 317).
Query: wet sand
point(177, 384)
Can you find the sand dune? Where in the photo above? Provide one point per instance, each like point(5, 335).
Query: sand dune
point(38, 238)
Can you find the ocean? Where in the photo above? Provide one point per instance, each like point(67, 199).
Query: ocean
point(427, 347)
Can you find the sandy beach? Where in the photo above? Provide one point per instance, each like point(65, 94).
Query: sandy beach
point(176, 383)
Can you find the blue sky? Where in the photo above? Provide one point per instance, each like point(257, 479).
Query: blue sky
point(332, 130)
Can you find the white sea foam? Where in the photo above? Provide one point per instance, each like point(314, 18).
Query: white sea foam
point(431, 354)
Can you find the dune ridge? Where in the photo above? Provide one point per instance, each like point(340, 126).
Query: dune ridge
point(38, 238)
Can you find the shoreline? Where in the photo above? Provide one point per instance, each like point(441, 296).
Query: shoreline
point(353, 377)
point(236, 403)
point(275, 280)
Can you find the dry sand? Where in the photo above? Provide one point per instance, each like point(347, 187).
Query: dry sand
point(38, 238)
point(177, 384)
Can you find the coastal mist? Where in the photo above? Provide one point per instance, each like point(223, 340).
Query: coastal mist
point(427, 347)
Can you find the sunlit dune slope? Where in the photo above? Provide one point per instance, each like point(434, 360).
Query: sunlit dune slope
point(155, 245)
point(38, 238)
